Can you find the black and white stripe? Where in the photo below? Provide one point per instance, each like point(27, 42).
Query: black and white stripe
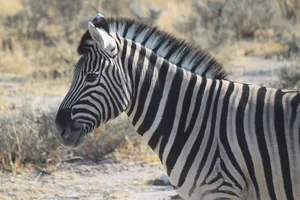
point(217, 139)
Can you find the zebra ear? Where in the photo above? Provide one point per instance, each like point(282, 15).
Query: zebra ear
point(106, 42)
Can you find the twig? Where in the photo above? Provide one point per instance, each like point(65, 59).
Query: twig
point(38, 177)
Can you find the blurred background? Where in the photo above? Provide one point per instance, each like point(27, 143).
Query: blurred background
point(258, 42)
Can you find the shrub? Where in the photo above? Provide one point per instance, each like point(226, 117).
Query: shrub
point(217, 21)
point(23, 140)
point(289, 77)
point(290, 9)
point(29, 137)
point(246, 16)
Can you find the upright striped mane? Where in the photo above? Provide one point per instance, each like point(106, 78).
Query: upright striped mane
point(176, 51)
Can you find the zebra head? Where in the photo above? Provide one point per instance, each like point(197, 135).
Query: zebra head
point(98, 91)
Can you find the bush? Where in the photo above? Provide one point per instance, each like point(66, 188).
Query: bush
point(290, 9)
point(46, 34)
point(289, 77)
point(246, 16)
point(238, 18)
point(25, 137)
point(29, 137)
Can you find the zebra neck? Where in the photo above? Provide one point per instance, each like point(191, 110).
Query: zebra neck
point(163, 102)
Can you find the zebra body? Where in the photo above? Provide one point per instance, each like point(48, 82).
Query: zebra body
point(237, 145)
point(217, 139)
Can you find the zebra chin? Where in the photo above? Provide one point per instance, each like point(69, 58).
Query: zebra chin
point(71, 137)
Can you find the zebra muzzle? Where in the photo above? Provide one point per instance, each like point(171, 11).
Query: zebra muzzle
point(70, 138)
point(69, 132)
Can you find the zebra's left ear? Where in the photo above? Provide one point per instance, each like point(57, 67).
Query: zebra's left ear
point(106, 42)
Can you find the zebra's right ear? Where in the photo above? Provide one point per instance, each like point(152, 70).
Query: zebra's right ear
point(100, 35)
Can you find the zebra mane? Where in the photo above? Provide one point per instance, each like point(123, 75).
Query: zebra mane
point(176, 51)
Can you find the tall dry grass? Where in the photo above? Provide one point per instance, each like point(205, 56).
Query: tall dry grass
point(290, 9)
point(11, 7)
point(28, 137)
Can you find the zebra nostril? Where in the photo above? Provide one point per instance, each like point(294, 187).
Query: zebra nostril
point(64, 133)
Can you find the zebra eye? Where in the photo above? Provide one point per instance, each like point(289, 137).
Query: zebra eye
point(91, 77)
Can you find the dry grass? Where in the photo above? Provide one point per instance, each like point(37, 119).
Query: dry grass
point(124, 196)
point(44, 46)
point(22, 142)
point(27, 188)
point(28, 137)
point(33, 61)
point(25, 192)
point(45, 88)
point(176, 12)
point(10, 7)
point(230, 52)
point(2, 197)
point(15, 62)
point(290, 9)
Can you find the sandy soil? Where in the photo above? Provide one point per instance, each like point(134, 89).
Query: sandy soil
point(88, 180)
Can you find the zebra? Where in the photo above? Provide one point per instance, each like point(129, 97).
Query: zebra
point(216, 138)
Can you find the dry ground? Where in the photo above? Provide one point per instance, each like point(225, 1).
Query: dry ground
point(103, 180)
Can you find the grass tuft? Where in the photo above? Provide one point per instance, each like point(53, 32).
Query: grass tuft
point(29, 137)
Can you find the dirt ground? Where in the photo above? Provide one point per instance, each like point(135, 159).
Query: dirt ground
point(88, 180)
